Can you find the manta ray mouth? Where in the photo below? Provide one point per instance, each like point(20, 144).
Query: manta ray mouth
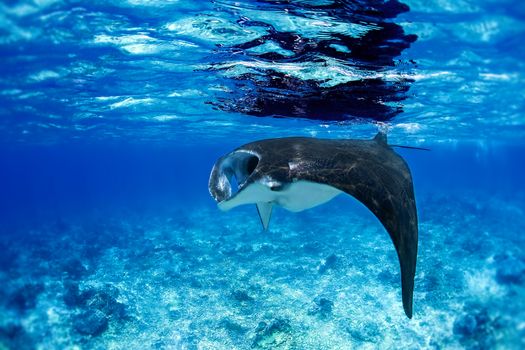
point(230, 173)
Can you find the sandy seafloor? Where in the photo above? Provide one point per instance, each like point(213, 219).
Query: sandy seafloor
point(327, 278)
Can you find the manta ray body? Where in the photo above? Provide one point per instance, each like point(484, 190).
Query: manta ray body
point(299, 173)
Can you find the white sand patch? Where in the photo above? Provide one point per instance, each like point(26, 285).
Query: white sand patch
point(482, 284)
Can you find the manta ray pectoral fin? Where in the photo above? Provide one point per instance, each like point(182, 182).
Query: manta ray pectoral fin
point(386, 189)
point(398, 216)
point(380, 179)
point(265, 212)
point(407, 260)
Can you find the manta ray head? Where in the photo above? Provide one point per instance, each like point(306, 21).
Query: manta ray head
point(242, 177)
point(231, 174)
point(238, 178)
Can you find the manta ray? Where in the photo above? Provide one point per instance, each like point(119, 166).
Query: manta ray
point(299, 173)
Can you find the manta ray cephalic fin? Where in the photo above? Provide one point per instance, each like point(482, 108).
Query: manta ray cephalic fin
point(265, 212)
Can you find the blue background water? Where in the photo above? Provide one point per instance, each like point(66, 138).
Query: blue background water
point(113, 113)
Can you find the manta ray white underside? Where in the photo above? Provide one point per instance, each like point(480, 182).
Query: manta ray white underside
point(298, 196)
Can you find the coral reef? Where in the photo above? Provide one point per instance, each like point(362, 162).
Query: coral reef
point(207, 280)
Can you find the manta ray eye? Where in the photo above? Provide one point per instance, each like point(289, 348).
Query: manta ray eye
point(277, 187)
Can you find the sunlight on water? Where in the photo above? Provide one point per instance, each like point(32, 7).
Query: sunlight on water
point(266, 50)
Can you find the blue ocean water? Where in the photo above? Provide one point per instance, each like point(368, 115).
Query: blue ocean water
point(114, 112)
